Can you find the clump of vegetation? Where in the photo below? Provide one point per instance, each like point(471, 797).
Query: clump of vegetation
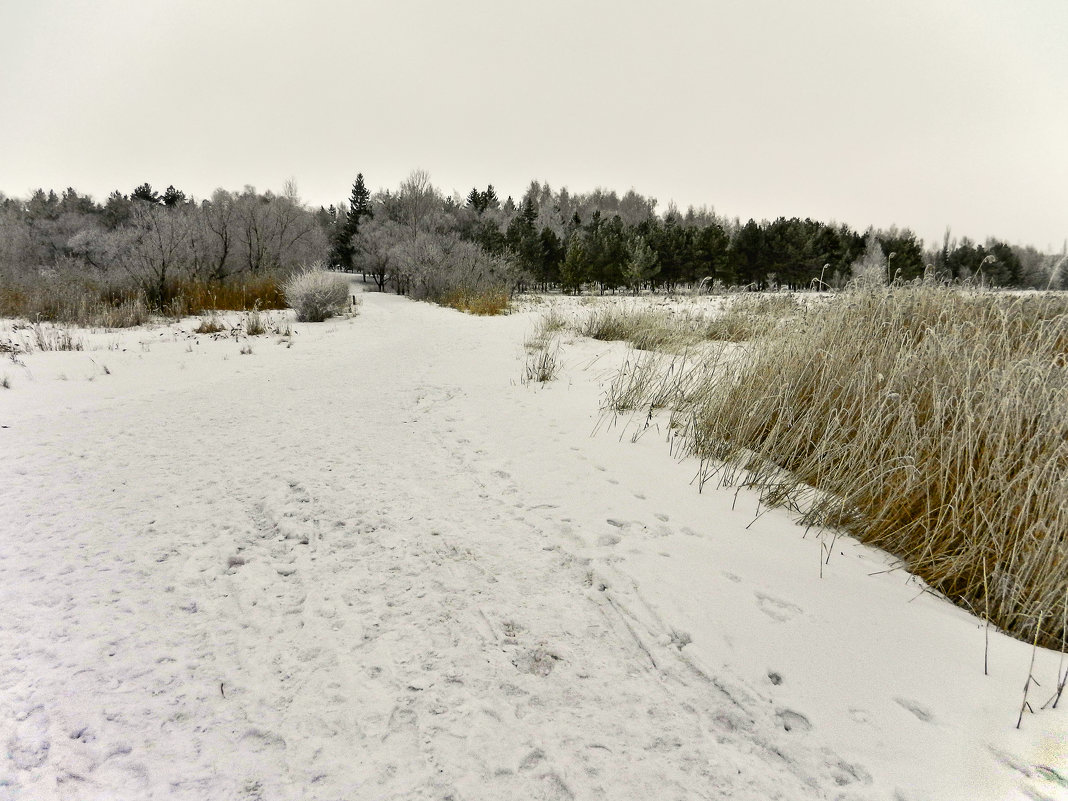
point(210, 325)
point(549, 325)
point(650, 382)
point(934, 424)
point(47, 337)
point(195, 296)
point(543, 364)
point(643, 328)
point(317, 294)
point(749, 315)
point(256, 323)
point(666, 329)
point(487, 302)
point(117, 302)
point(73, 300)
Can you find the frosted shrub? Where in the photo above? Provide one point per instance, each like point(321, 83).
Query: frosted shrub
point(316, 294)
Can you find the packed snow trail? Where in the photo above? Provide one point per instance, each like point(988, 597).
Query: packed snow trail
point(370, 566)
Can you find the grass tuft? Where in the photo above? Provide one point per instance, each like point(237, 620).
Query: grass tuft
point(255, 323)
point(543, 364)
point(210, 325)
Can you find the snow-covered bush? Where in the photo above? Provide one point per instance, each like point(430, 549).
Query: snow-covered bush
point(316, 294)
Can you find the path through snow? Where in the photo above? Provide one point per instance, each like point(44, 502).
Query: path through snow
point(375, 566)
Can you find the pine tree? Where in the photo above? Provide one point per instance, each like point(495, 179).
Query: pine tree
point(146, 193)
point(172, 197)
point(642, 266)
point(574, 270)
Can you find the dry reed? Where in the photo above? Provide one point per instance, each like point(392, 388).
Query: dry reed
point(485, 302)
point(933, 421)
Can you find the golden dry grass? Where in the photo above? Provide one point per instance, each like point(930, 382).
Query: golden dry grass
point(190, 296)
point(742, 317)
point(484, 302)
point(933, 421)
point(119, 303)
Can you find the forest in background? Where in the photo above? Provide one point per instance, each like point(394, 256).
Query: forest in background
point(170, 250)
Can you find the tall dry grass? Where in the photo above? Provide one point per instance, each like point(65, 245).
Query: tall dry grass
point(73, 299)
point(193, 296)
point(741, 317)
point(933, 422)
point(485, 302)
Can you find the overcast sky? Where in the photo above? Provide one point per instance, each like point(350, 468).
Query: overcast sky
point(919, 113)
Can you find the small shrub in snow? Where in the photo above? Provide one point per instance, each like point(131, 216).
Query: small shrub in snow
point(542, 365)
point(255, 323)
point(209, 325)
point(316, 294)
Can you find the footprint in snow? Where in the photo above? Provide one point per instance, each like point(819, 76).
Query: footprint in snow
point(845, 773)
point(859, 715)
point(919, 710)
point(793, 721)
point(776, 608)
point(28, 747)
point(538, 662)
point(532, 760)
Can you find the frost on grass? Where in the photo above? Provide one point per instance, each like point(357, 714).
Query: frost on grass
point(316, 294)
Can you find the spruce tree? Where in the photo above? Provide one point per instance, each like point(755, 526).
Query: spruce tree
point(348, 227)
point(474, 200)
point(359, 205)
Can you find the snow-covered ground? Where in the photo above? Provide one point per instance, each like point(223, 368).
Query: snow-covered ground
point(374, 564)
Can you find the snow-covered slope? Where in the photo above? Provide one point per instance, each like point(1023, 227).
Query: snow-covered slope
point(376, 565)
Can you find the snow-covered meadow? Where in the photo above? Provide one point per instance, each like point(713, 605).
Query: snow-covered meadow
point(367, 561)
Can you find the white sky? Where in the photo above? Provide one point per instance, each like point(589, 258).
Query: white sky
point(920, 113)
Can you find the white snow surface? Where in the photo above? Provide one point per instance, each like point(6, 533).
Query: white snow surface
point(376, 565)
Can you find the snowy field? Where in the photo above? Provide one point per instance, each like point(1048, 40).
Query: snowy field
point(368, 562)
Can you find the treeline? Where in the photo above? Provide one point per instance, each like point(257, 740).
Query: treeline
point(156, 242)
point(416, 239)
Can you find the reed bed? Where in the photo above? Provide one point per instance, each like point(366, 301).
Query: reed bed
point(933, 422)
point(73, 299)
point(742, 317)
point(484, 302)
point(929, 421)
